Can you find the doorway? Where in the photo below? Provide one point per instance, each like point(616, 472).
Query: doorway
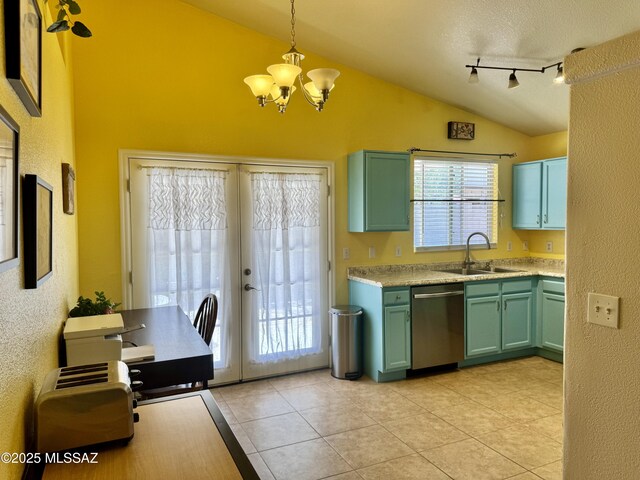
point(254, 233)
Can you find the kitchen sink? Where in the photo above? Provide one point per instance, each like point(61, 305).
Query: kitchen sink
point(472, 271)
point(502, 270)
point(465, 271)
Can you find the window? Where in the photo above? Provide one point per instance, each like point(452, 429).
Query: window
point(443, 224)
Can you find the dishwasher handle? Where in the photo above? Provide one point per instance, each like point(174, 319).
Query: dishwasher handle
point(438, 295)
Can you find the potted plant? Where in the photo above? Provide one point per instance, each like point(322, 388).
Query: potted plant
point(87, 307)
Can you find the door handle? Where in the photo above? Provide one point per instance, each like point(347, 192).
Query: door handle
point(248, 288)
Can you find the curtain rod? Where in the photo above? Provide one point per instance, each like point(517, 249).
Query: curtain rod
point(145, 167)
point(499, 155)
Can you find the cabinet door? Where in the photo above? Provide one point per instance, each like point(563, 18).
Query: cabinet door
point(397, 338)
point(553, 321)
point(554, 193)
point(386, 191)
point(517, 314)
point(482, 335)
point(527, 195)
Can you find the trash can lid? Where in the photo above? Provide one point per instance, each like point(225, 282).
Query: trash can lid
point(346, 309)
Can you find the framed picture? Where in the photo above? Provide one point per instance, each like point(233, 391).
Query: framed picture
point(37, 205)
point(462, 130)
point(9, 133)
point(68, 179)
point(23, 44)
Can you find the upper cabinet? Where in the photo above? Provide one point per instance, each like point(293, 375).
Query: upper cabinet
point(540, 194)
point(379, 191)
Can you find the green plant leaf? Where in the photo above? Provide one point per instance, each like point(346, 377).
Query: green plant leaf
point(61, 14)
point(59, 26)
point(74, 8)
point(81, 30)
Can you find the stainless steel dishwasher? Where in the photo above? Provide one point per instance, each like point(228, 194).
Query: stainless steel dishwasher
point(437, 325)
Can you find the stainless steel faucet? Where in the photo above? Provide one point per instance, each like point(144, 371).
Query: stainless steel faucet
point(467, 259)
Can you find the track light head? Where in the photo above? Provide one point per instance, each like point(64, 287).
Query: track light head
point(513, 81)
point(559, 75)
point(473, 76)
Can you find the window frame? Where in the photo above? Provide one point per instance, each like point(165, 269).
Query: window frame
point(478, 241)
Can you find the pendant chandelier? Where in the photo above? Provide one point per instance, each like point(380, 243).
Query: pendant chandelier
point(278, 86)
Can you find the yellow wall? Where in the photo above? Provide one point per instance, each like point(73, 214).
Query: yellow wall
point(30, 320)
point(167, 76)
point(602, 378)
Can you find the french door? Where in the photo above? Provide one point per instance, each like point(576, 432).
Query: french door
point(254, 235)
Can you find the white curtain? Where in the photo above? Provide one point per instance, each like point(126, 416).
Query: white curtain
point(187, 244)
point(286, 238)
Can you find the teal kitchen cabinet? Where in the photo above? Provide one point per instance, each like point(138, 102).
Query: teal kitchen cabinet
point(386, 329)
point(498, 316)
point(482, 325)
point(552, 315)
point(378, 191)
point(540, 194)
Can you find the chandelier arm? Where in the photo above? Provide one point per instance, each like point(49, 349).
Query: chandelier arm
point(306, 94)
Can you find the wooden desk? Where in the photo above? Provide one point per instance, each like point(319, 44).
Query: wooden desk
point(182, 437)
point(181, 356)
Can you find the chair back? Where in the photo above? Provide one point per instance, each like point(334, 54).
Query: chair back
point(206, 317)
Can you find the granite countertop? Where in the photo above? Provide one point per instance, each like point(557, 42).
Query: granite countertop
point(428, 274)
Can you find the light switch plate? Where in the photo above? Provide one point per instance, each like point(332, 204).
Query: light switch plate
point(372, 252)
point(398, 251)
point(603, 310)
point(525, 245)
point(346, 253)
point(509, 246)
point(549, 246)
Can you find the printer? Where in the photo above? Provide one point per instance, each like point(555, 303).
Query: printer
point(93, 339)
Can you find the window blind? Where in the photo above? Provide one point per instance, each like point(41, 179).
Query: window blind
point(447, 224)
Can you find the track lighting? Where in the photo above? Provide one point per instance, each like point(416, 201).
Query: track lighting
point(513, 81)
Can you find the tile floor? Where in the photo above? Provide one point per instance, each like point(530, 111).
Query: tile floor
point(495, 421)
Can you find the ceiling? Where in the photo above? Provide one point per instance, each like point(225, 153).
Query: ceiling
point(423, 45)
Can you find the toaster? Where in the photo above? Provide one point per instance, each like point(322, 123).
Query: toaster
point(85, 405)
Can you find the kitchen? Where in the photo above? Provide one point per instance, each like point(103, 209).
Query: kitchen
point(103, 111)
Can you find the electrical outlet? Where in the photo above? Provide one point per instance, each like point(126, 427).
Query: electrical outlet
point(603, 310)
point(549, 247)
point(372, 252)
point(525, 246)
point(398, 251)
point(509, 246)
point(345, 253)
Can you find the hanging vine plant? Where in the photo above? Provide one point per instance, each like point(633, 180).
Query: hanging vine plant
point(64, 21)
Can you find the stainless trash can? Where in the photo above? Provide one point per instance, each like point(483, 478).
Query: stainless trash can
point(346, 341)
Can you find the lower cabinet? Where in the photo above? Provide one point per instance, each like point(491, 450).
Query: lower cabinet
point(397, 337)
point(552, 315)
point(498, 316)
point(386, 329)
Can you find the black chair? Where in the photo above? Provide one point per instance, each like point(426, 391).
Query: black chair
point(205, 324)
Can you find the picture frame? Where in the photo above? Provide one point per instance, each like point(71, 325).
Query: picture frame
point(37, 204)
point(23, 50)
point(9, 196)
point(461, 130)
point(68, 188)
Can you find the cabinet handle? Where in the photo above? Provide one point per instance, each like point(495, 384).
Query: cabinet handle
point(505, 304)
point(546, 217)
point(538, 219)
point(398, 297)
point(498, 305)
point(407, 316)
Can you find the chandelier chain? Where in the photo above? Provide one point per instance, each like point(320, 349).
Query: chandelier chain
point(293, 24)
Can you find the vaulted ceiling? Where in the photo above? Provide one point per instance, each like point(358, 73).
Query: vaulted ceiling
point(423, 45)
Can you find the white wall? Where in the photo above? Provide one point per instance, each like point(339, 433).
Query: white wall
point(602, 365)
